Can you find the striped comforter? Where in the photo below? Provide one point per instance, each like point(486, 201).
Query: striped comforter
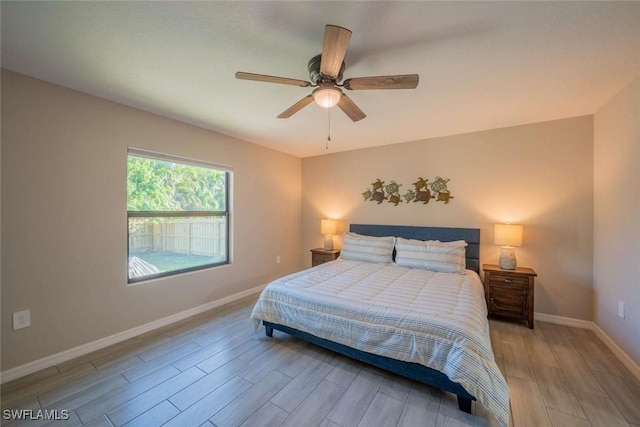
point(436, 319)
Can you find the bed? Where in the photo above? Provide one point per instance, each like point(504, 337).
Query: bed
point(427, 323)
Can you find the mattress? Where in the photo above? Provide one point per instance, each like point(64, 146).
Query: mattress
point(438, 320)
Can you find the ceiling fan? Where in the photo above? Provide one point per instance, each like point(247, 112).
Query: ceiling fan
point(326, 71)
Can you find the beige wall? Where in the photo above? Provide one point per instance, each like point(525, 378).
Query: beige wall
point(617, 218)
point(64, 248)
point(540, 175)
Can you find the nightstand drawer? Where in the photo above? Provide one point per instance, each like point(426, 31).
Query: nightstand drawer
point(509, 280)
point(320, 256)
point(320, 259)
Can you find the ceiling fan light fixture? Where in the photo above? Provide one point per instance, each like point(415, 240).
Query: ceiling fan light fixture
point(327, 97)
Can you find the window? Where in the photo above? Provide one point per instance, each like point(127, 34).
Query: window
point(178, 215)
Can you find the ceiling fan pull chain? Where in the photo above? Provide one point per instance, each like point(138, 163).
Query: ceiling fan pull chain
point(326, 147)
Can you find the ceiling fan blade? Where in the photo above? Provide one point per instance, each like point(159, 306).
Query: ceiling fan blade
point(271, 79)
point(350, 108)
point(406, 81)
point(334, 47)
point(296, 107)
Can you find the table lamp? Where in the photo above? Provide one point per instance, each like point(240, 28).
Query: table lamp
point(507, 236)
point(328, 227)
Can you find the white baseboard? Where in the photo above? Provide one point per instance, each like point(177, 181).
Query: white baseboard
point(54, 359)
point(620, 354)
point(568, 321)
point(585, 324)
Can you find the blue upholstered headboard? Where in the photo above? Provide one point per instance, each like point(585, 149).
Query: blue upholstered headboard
point(444, 234)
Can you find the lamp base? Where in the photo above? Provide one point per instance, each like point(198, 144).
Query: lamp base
point(508, 258)
point(328, 242)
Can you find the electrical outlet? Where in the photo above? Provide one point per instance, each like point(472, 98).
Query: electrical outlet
point(621, 309)
point(21, 319)
point(278, 259)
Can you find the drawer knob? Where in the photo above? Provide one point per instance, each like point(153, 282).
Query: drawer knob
point(508, 281)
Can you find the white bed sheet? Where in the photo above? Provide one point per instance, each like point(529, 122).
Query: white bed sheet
point(436, 319)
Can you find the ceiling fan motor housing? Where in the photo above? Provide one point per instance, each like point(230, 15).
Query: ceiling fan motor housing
point(317, 77)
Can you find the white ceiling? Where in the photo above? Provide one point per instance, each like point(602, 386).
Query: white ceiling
point(482, 65)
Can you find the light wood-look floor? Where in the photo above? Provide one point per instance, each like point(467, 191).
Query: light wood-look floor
point(213, 369)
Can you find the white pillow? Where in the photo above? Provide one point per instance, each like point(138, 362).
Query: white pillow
point(356, 247)
point(446, 257)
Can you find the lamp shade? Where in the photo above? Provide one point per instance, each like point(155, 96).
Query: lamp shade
point(507, 234)
point(328, 227)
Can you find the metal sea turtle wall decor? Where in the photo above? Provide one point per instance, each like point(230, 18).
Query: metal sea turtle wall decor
point(423, 191)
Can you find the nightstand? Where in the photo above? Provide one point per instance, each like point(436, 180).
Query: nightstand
point(509, 293)
point(320, 256)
